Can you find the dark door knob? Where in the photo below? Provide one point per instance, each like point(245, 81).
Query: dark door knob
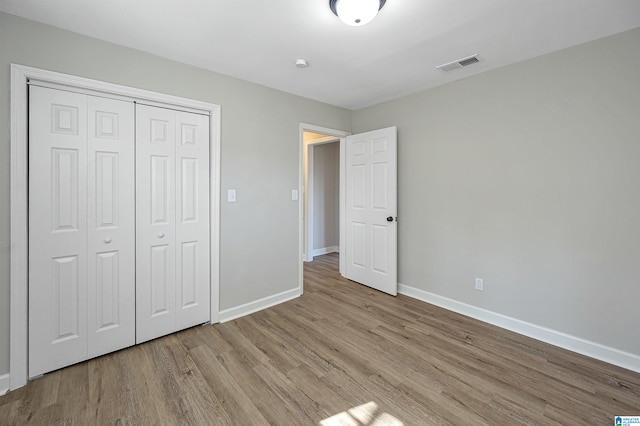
point(390, 219)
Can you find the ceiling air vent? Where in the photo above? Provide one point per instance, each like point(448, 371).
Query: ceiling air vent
point(460, 63)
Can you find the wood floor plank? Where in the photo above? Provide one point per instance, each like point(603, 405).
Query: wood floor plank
point(266, 401)
point(318, 340)
point(342, 353)
point(235, 405)
point(273, 324)
point(296, 400)
point(276, 352)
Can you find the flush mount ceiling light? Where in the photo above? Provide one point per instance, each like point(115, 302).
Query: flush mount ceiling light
point(356, 12)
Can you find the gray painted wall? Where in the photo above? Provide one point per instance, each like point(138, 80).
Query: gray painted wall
point(529, 177)
point(326, 195)
point(259, 152)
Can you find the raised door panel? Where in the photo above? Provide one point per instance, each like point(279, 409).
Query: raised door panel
point(65, 280)
point(159, 189)
point(160, 295)
point(155, 222)
point(106, 308)
point(57, 229)
point(192, 220)
point(111, 225)
point(64, 189)
point(188, 274)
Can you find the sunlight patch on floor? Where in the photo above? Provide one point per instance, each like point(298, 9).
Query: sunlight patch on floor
point(363, 415)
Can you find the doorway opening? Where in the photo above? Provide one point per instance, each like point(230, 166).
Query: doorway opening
point(321, 177)
point(322, 195)
point(367, 221)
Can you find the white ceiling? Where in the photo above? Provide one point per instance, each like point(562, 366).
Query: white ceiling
point(352, 67)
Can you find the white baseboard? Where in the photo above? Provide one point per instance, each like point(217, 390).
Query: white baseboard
point(4, 383)
point(326, 250)
point(576, 344)
point(258, 305)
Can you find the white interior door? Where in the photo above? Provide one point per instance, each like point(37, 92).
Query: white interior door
point(155, 222)
point(371, 209)
point(192, 220)
point(111, 225)
point(172, 216)
point(81, 274)
point(57, 229)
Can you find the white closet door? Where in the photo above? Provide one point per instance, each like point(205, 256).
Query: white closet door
point(155, 222)
point(118, 225)
point(192, 219)
point(81, 228)
point(57, 229)
point(172, 216)
point(111, 225)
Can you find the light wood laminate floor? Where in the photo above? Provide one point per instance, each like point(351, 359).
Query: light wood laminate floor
point(340, 354)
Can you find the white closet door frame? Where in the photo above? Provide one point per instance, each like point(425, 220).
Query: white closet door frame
point(20, 77)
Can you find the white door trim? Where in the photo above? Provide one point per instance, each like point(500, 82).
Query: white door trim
point(333, 134)
point(20, 76)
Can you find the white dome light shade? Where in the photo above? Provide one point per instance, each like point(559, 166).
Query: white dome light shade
point(356, 12)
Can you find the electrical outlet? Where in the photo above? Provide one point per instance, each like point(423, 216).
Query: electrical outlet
point(479, 284)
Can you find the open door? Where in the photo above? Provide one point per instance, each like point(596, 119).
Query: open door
point(371, 209)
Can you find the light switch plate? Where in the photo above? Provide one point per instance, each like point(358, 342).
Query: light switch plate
point(479, 284)
point(231, 196)
point(294, 195)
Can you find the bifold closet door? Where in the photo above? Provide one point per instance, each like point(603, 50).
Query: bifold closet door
point(81, 228)
point(172, 221)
